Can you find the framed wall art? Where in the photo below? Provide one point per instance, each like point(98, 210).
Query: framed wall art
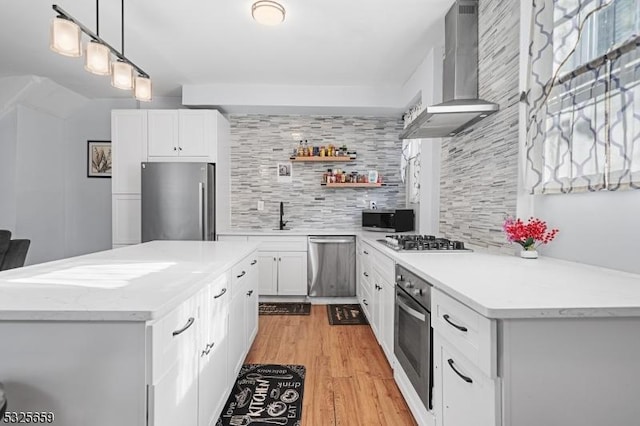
point(99, 159)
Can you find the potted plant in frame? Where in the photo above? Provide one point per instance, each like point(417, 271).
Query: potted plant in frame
point(529, 235)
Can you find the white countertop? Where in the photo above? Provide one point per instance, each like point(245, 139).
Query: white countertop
point(500, 286)
point(293, 232)
point(136, 283)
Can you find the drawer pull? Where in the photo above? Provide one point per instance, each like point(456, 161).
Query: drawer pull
point(241, 275)
point(250, 292)
point(365, 252)
point(223, 291)
point(183, 329)
point(207, 350)
point(459, 327)
point(365, 302)
point(254, 262)
point(365, 274)
point(462, 376)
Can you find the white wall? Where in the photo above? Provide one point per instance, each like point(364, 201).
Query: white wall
point(41, 161)
point(8, 142)
point(88, 200)
point(595, 228)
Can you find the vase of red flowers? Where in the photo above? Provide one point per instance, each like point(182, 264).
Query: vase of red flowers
point(529, 235)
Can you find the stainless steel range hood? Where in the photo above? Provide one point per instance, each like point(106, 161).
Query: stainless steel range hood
point(461, 107)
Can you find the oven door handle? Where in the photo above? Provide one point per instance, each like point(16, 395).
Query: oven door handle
point(411, 311)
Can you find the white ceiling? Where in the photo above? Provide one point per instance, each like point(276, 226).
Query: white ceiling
point(377, 43)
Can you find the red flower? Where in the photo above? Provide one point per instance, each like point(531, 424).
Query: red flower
point(527, 234)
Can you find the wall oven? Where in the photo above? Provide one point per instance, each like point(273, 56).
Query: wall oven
point(413, 339)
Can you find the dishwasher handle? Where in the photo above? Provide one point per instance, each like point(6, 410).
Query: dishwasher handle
point(331, 240)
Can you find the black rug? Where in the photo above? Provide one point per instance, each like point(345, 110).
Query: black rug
point(346, 315)
point(284, 308)
point(265, 395)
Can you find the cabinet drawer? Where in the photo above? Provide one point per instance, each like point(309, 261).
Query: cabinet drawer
point(385, 266)
point(275, 243)
point(365, 302)
point(239, 238)
point(241, 270)
point(173, 337)
point(469, 332)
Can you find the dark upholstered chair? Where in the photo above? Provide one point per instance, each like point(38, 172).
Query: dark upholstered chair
point(5, 238)
point(15, 255)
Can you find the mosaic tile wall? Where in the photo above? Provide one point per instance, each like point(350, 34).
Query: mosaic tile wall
point(259, 142)
point(478, 182)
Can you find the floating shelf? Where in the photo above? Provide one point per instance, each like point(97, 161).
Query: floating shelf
point(352, 185)
point(322, 159)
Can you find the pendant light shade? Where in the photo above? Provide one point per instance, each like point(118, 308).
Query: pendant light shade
point(97, 58)
point(142, 90)
point(268, 12)
point(65, 37)
point(121, 75)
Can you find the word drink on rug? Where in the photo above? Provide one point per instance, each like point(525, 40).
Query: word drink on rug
point(265, 395)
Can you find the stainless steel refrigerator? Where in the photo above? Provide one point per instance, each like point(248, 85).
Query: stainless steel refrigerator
point(178, 201)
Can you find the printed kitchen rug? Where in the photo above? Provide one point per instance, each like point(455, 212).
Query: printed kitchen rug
point(284, 308)
point(265, 394)
point(346, 315)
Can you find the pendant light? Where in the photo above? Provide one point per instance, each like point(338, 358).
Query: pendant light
point(97, 58)
point(142, 88)
point(268, 12)
point(66, 32)
point(65, 37)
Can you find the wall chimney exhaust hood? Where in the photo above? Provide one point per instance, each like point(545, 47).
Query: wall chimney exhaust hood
point(461, 107)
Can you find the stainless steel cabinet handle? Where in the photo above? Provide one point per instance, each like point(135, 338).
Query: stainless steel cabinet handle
point(365, 274)
point(241, 275)
point(254, 262)
point(462, 376)
point(180, 148)
point(330, 241)
point(274, 259)
point(250, 292)
point(175, 149)
point(210, 345)
point(201, 209)
point(459, 327)
point(365, 252)
point(223, 291)
point(365, 302)
point(411, 312)
point(279, 259)
point(207, 349)
point(183, 329)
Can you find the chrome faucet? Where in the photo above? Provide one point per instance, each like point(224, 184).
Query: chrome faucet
point(282, 223)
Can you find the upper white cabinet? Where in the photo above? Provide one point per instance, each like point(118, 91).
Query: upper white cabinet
point(163, 133)
point(183, 134)
point(128, 148)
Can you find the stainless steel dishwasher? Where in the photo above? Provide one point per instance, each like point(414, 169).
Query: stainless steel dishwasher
point(331, 268)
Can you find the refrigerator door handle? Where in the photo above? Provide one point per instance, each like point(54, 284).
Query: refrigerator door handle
point(201, 209)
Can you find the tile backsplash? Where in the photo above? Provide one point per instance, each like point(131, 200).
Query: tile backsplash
point(259, 142)
point(479, 171)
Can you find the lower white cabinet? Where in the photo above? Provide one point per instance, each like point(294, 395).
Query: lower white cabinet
point(382, 313)
point(283, 273)
point(464, 394)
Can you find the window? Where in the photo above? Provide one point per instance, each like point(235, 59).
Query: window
point(583, 99)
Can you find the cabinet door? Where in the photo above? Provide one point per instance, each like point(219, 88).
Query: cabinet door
point(163, 133)
point(237, 331)
point(292, 273)
point(125, 213)
point(387, 306)
point(173, 399)
point(252, 304)
point(197, 133)
point(213, 348)
point(128, 149)
point(464, 395)
point(268, 273)
point(376, 306)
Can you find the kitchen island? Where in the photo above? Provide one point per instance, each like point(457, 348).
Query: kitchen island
point(132, 336)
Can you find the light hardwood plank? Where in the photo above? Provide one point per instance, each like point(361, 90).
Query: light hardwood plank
point(348, 382)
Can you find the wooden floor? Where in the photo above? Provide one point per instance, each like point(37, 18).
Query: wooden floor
point(348, 382)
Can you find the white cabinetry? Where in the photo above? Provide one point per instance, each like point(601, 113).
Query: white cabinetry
point(466, 390)
point(163, 135)
point(283, 265)
point(181, 134)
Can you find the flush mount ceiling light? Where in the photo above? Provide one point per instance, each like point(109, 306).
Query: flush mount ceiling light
point(65, 38)
point(268, 12)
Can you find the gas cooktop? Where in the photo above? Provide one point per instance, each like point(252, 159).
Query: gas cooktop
point(422, 243)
